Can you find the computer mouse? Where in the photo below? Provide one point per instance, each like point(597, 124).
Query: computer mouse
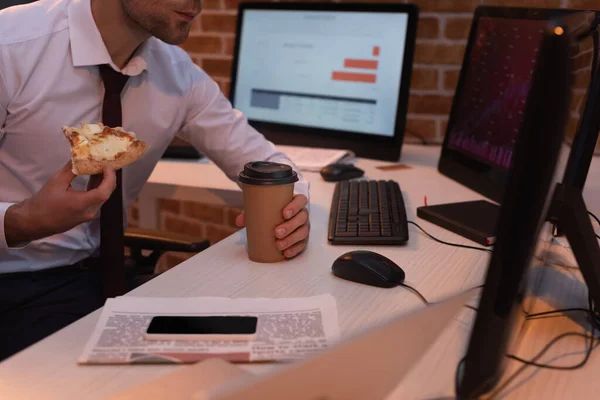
point(369, 268)
point(341, 172)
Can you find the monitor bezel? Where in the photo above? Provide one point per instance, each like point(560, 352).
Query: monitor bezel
point(372, 146)
point(479, 176)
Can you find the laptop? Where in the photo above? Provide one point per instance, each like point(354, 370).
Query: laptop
point(326, 76)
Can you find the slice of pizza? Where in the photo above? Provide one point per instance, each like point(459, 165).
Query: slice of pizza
point(94, 146)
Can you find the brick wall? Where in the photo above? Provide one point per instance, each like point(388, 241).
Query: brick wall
point(203, 221)
point(441, 41)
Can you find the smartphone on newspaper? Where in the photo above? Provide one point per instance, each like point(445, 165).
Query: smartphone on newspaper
point(231, 327)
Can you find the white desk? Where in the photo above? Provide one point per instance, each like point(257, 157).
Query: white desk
point(48, 370)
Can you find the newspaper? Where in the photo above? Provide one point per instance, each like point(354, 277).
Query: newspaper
point(288, 328)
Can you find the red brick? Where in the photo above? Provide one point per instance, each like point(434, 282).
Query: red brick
point(169, 205)
point(428, 53)
point(218, 22)
point(203, 212)
point(451, 79)
point(447, 5)
point(424, 79)
point(217, 67)
point(428, 28)
point(179, 225)
point(215, 233)
point(228, 45)
point(203, 44)
point(426, 128)
point(212, 4)
point(232, 4)
point(458, 28)
point(443, 127)
point(584, 4)
point(232, 214)
point(430, 104)
point(522, 3)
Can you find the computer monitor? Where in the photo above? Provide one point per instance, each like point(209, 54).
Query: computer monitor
point(528, 196)
point(331, 75)
point(487, 113)
point(490, 100)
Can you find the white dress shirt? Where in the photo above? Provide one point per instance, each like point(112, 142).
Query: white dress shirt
point(49, 52)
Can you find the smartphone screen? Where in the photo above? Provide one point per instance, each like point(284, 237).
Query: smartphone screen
point(182, 325)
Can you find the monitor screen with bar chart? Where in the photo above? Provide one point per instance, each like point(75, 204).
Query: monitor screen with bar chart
point(329, 69)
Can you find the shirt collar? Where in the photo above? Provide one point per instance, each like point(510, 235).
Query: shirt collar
point(87, 46)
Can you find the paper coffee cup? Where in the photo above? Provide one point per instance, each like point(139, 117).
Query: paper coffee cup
point(268, 187)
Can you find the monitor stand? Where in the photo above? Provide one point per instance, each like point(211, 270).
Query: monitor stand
point(568, 210)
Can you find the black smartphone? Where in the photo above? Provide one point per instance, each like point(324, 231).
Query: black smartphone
point(202, 328)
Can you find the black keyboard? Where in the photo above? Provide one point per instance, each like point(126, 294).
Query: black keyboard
point(367, 212)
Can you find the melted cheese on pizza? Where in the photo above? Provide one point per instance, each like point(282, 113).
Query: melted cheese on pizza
point(103, 144)
point(108, 147)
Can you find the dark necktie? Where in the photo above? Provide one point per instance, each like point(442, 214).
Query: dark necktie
point(111, 215)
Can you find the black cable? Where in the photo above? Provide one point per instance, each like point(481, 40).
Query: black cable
point(533, 362)
point(593, 322)
point(594, 319)
point(597, 220)
point(539, 355)
point(448, 243)
point(549, 313)
point(415, 291)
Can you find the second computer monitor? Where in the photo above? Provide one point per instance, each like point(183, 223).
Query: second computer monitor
point(490, 100)
point(333, 75)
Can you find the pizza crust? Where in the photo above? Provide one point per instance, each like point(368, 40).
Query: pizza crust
point(84, 163)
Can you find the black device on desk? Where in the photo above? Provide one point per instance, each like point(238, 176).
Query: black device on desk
point(369, 268)
point(186, 327)
point(487, 113)
point(326, 75)
point(368, 212)
point(475, 220)
point(341, 172)
point(528, 197)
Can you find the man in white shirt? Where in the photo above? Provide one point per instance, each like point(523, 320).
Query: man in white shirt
point(50, 53)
